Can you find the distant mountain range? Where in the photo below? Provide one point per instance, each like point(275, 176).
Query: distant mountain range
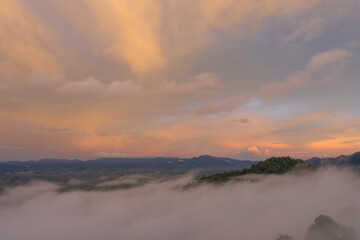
point(96, 174)
point(93, 174)
point(158, 163)
point(342, 160)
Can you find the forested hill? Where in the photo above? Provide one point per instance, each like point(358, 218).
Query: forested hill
point(274, 165)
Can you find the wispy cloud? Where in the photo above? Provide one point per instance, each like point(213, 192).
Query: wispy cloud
point(94, 86)
point(327, 64)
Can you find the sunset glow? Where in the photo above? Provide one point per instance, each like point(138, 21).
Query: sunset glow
point(242, 79)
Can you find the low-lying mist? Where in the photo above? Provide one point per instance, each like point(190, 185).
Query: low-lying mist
point(247, 210)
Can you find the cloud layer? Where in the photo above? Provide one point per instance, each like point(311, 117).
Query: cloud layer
point(248, 210)
point(157, 77)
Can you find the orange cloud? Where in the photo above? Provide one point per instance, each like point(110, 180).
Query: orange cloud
point(149, 35)
point(342, 143)
point(254, 149)
point(189, 115)
point(23, 37)
point(93, 86)
point(127, 30)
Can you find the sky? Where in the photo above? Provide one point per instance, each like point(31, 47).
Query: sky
point(126, 78)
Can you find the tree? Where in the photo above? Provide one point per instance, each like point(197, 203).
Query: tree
point(273, 165)
point(325, 228)
point(284, 237)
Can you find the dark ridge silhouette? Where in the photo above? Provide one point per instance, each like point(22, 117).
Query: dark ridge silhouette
point(274, 165)
point(342, 160)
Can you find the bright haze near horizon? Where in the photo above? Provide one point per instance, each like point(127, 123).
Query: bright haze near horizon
point(127, 78)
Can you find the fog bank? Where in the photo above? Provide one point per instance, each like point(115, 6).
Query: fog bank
point(242, 210)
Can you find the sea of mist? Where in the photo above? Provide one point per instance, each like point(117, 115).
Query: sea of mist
point(247, 210)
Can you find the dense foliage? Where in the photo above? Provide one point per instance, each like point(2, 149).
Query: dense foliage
point(284, 237)
point(325, 228)
point(274, 165)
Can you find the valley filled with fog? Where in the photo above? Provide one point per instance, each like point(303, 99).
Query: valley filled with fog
point(250, 209)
